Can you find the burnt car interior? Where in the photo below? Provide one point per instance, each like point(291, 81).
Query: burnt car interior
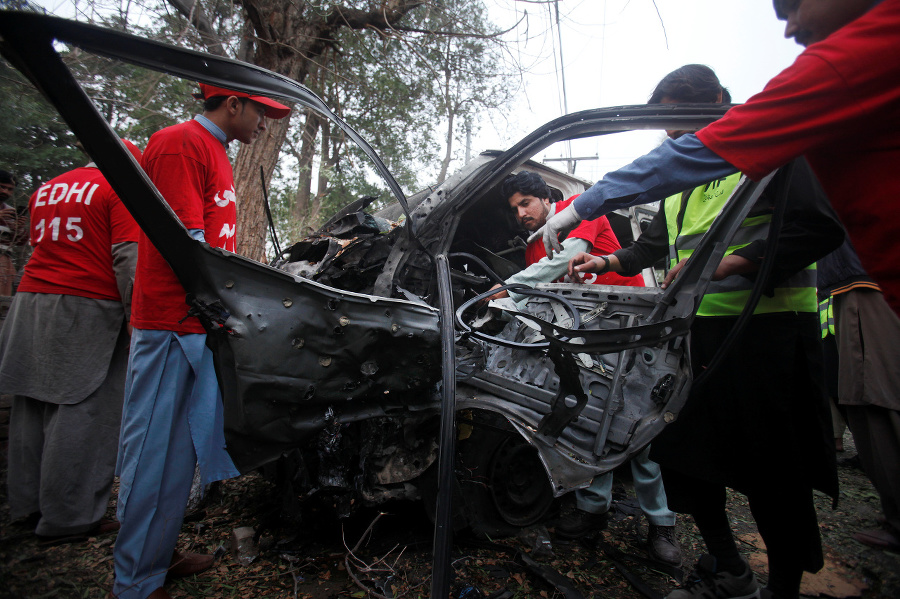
point(344, 364)
point(488, 229)
point(487, 245)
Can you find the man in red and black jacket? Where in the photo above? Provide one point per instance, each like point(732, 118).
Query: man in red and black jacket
point(529, 197)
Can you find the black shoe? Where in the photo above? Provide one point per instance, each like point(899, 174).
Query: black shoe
point(580, 524)
point(705, 582)
point(663, 546)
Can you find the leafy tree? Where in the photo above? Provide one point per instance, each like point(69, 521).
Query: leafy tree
point(435, 68)
point(470, 74)
point(36, 144)
point(394, 69)
point(387, 105)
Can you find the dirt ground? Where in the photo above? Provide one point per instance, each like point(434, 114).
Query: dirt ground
point(388, 553)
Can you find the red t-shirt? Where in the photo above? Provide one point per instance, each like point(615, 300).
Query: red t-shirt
point(603, 242)
point(838, 105)
point(190, 168)
point(75, 219)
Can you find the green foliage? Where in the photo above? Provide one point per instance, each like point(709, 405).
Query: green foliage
point(388, 105)
point(35, 143)
point(19, 5)
point(402, 90)
point(136, 102)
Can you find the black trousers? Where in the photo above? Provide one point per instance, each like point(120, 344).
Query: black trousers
point(784, 512)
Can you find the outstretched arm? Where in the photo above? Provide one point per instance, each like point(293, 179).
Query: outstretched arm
point(546, 269)
point(674, 166)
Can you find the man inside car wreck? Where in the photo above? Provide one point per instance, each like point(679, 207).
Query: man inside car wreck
point(528, 196)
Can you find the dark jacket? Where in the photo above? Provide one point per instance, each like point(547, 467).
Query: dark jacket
point(839, 271)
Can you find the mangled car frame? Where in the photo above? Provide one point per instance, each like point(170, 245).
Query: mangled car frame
point(352, 359)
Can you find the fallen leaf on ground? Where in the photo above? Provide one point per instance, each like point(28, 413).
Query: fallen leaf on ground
point(833, 580)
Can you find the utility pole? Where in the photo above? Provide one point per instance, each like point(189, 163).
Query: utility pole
point(468, 139)
point(571, 161)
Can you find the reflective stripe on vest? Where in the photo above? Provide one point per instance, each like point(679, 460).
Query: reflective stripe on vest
point(688, 219)
point(826, 316)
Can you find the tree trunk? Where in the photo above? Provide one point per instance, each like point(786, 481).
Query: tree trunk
point(300, 211)
point(448, 155)
point(290, 36)
point(322, 184)
point(251, 217)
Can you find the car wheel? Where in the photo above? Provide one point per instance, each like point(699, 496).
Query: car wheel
point(517, 482)
point(503, 484)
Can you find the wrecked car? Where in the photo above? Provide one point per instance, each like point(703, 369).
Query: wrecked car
point(356, 365)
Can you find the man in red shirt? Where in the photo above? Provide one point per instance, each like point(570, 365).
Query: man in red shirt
point(529, 197)
point(173, 415)
point(63, 352)
point(836, 105)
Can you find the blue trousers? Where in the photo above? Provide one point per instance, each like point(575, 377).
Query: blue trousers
point(172, 420)
point(648, 487)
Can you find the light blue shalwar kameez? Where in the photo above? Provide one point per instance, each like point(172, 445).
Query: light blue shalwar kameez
point(173, 419)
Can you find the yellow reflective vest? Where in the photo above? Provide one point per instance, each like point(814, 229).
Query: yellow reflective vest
point(689, 216)
point(826, 316)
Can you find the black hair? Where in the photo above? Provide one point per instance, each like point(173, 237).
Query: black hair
point(526, 183)
point(690, 83)
point(211, 104)
point(8, 177)
point(781, 9)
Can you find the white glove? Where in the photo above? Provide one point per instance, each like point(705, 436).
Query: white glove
point(563, 222)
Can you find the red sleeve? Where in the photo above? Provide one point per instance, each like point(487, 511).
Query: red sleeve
point(800, 108)
point(605, 241)
point(836, 89)
point(599, 234)
point(588, 230)
point(605, 244)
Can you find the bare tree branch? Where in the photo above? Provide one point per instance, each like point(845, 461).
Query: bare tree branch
point(193, 12)
point(460, 34)
point(386, 18)
point(665, 35)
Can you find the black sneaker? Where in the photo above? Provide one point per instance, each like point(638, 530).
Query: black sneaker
point(706, 583)
point(580, 524)
point(663, 546)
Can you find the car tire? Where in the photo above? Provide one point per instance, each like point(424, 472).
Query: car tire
point(500, 485)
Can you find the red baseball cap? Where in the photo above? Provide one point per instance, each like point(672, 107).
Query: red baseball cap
point(274, 110)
